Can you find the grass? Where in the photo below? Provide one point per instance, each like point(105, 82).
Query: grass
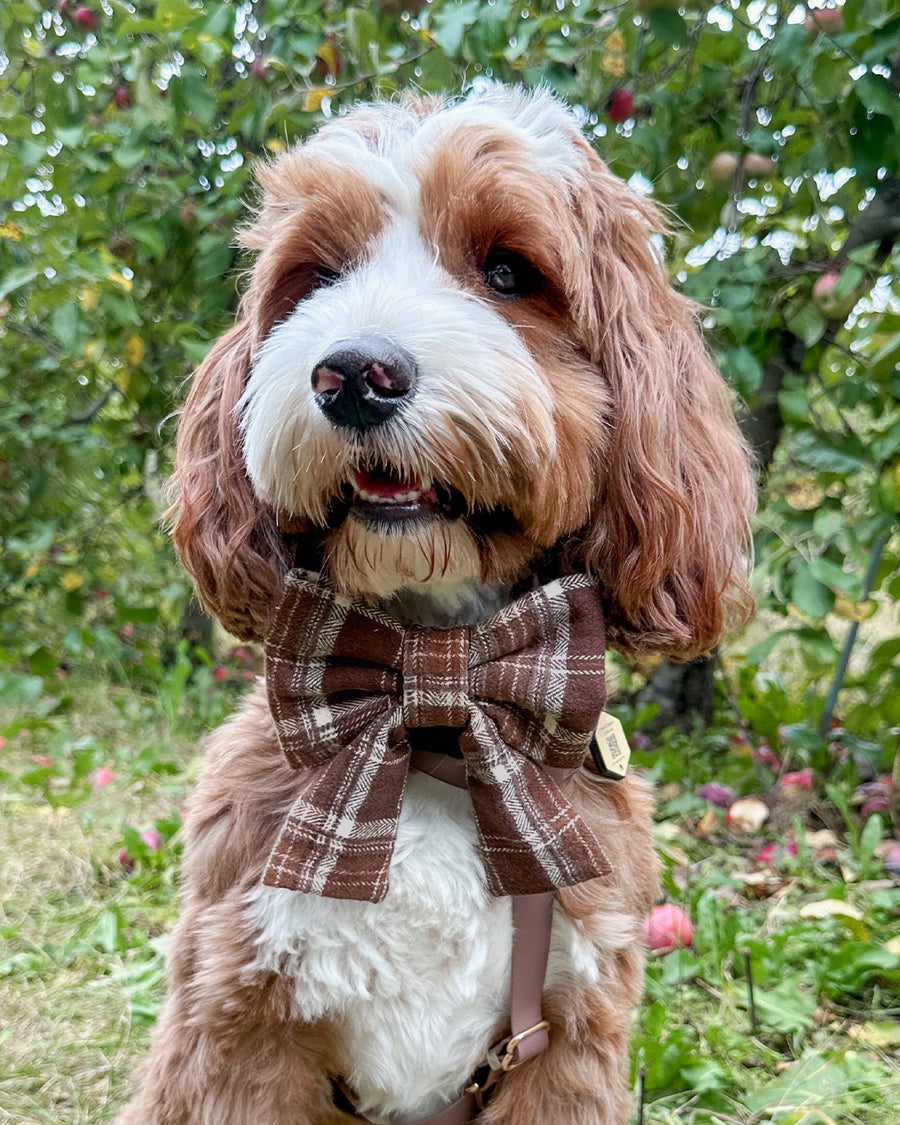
point(93, 769)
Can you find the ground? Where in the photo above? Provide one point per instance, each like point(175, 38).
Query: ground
point(94, 776)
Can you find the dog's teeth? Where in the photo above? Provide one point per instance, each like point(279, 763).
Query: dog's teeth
point(397, 498)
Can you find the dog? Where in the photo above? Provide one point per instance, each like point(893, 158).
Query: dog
point(457, 372)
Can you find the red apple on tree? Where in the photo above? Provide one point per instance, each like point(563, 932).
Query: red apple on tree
point(755, 164)
point(620, 104)
point(832, 305)
point(84, 18)
point(259, 68)
point(830, 21)
point(722, 167)
point(122, 97)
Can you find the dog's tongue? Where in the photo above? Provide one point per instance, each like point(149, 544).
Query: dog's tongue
point(385, 487)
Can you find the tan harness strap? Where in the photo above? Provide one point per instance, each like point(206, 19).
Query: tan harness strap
point(453, 770)
point(532, 924)
point(460, 1112)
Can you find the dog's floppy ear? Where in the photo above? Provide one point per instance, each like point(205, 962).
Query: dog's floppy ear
point(228, 540)
point(669, 535)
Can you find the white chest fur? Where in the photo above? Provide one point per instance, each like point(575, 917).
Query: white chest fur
point(415, 985)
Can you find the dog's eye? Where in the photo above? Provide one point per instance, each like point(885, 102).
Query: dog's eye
point(509, 274)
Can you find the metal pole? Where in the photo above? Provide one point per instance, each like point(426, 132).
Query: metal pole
point(850, 640)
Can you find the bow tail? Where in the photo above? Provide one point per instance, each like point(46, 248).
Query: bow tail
point(532, 838)
point(338, 838)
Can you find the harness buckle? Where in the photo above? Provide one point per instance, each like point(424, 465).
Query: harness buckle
point(510, 1054)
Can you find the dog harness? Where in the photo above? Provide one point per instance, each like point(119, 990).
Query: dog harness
point(532, 917)
point(354, 694)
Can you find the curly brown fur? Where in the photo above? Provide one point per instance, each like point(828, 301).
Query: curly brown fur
point(559, 413)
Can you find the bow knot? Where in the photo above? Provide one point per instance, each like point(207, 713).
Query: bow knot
point(347, 683)
point(435, 676)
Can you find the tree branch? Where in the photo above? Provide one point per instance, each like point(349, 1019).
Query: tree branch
point(91, 412)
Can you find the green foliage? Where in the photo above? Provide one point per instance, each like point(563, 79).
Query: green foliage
point(817, 966)
point(129, 153)
point(89, 844)
point(125, 165)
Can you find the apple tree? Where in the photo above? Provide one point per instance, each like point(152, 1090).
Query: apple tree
point(127, 135)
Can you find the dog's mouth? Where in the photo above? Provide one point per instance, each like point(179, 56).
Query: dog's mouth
point(384, 497)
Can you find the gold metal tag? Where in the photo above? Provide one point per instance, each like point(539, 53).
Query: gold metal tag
point(610, 748)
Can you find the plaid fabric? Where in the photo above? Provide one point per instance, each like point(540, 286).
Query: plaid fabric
point(525, 689)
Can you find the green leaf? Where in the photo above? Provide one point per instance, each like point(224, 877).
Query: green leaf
point(886, 361)
point(807, 323)
point(763, 649)
point(833, 574)
point(813, 1080)
point(655, 1020)
point(668, 26)
point(705, 1076)
point(488, 37)
point(433, 71)
point(150, 237)
point(811, 596)
point(817, 647)
point(854, 963)
point(851, 277)
point(680, 965)
point(829, 74)
point(42, 662)
point(174, 14)
point(828, 524)
point(888, 444)
point(19, 690)
point(67, 327)
point(794, 404)
point(830, 460)
point(219, 22)
point(802, 735)
point(869, 839)
point(15, 279)
point(451, 23)
point(887, 653)
point(361, 30)
point(128, 157)
point(199, 99)
point(714, 79)
point(742, 369)
point(788, 45)
point(138, 614)
point(873, 144)
point(784, 1009)
point(878, 95)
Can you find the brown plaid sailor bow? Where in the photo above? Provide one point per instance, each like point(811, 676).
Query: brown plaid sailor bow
point(525, 689)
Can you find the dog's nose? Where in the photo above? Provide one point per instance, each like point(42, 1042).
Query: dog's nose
point(362, 382)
